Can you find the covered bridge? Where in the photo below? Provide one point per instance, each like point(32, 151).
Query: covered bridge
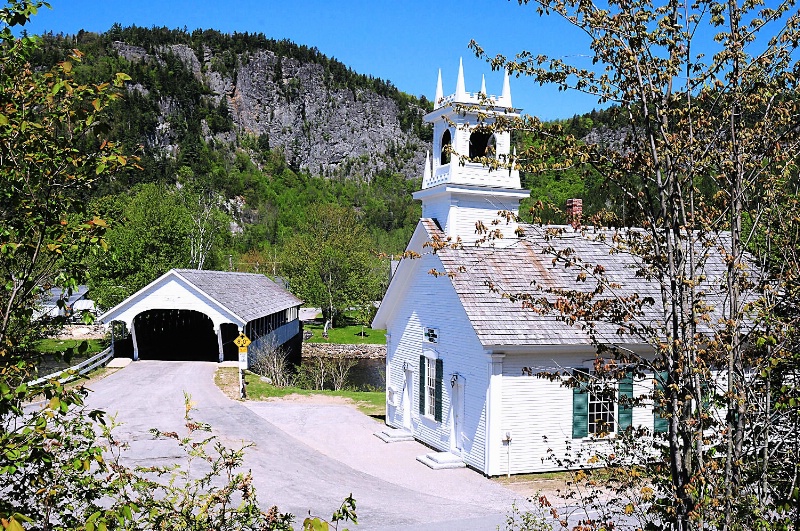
point(189, 314)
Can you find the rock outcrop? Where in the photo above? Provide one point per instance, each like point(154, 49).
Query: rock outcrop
point(321, 127)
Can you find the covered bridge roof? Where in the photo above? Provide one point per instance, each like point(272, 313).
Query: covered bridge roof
point(226, 297)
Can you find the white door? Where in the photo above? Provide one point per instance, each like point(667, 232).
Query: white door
point(407, 399)
point(457, 405)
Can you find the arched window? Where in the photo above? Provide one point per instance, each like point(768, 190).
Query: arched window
point(491, 147)
point(477, 144)
point(446, 141)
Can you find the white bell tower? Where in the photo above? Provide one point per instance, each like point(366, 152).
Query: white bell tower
point(457, 195)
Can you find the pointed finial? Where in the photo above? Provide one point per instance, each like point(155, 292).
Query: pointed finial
point(483, 85)
point(461, 91)
point(505, 97)
point(439, 93)
point(426, 174)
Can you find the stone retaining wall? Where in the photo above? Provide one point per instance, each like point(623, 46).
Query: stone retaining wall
point(82, 331)
point(348, 351)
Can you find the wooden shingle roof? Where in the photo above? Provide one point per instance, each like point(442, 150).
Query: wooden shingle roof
point(484, 277)
point(248, 295)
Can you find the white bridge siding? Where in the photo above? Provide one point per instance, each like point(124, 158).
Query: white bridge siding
point(538, 412)
point(276, 338)
point(174, 294)
point(431, 302)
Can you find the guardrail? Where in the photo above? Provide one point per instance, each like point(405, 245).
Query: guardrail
point(100, 359)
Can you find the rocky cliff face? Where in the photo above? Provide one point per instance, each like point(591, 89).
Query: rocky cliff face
point(328, 130)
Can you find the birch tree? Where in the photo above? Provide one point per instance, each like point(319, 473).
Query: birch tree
point(707, 90)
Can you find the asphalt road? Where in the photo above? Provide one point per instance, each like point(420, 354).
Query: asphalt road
point(304, 457)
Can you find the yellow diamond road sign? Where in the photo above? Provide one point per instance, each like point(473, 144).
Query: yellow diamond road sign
point(242, 341)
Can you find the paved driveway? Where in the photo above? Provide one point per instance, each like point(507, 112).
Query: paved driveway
point(305, 457)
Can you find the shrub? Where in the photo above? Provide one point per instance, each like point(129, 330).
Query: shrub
point(272, 362)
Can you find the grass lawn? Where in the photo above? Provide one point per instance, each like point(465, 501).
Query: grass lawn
point(51, 361)
point(48, 346)
point(370, 403)
point(345, 335)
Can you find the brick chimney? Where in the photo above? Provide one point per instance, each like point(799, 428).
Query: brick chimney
point(574, 212)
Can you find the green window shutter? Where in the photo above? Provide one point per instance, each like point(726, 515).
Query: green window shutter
point(660, 424)
point(706, 392)
point(438, 406)
point(625, 406)
point(422, 385)
point(580, 406)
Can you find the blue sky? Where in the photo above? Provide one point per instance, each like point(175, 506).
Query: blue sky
point(404, 42)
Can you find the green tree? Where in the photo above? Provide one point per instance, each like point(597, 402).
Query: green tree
point(59, 462)
point(708, 168)
point(46, 177)
point(328, 264)
point(152, 237)
point(52, 154)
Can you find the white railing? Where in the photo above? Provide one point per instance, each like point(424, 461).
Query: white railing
point(441, 175)
point(100, 359)
point(470, 98)
point(472, 173)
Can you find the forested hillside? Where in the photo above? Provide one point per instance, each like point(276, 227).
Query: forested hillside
point(240, 147)
point(236, 143)
point(552, 188)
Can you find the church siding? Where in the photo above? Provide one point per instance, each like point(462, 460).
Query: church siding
point(538, 412)
point(431, 302)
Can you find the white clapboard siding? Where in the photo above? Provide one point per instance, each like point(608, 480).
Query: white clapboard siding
point(429, 301)
point(538, 412)
point(172, 292)
point(276, 338)
point(458, 215)
point(471, 210)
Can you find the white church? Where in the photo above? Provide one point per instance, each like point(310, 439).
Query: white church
point(462, 360)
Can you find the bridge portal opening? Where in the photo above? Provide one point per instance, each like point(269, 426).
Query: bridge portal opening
point(180, 335)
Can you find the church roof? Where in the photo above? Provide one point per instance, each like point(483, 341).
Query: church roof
point(486, 280)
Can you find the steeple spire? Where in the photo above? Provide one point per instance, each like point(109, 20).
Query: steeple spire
point(461, 91)
point(439, 93)
point(460, 195)
point(505, 97)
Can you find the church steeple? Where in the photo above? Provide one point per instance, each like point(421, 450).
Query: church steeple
point(439, 93)
point(461, 91)
point(459, 189)
point(505, 96)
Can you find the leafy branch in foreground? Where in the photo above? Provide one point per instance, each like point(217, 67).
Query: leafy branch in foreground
point(708, 171)
point(206, 491)
point(61, 467)
point(51, 155)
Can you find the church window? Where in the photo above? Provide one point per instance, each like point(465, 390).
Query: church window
point(446, 141)
point(600, 408)
point(477, 144)
point(430, 386)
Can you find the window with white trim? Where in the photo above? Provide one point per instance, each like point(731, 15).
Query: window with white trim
point(601, 409)
point(430, 387)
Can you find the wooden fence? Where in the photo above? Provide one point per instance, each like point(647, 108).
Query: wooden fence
point(100, 359)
